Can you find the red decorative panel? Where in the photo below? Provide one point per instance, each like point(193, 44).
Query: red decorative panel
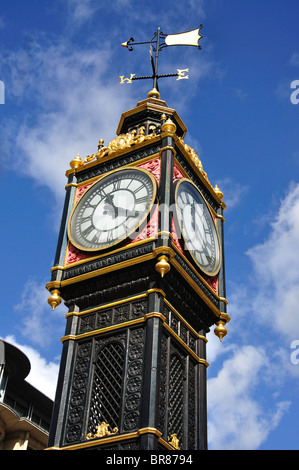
point(177, 174)
point(73, 255)
point(81, 190)
point(175, 238)
point(213, 283)
point(154, 167)
point(151, 228)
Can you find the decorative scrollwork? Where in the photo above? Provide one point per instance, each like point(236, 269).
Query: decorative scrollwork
point(193, 156)
point(102, 431)
point(121, 142)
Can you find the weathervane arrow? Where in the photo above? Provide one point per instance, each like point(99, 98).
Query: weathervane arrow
point(158, 42)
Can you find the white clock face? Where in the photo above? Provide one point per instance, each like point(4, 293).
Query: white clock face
point(112, 209)
point(197, 227)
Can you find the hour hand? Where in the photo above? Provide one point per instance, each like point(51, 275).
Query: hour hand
point(110, 209)
point(126, 212)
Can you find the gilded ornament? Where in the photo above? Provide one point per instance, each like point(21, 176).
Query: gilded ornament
point(121, 142)
point(194, 157)
point(102, 431)
point(169, 127)
point(153, 94)
point(220, 330)
point(76, 162)
point(174, 441)
point(54, 300)
point(218, 192)
point(162, 266)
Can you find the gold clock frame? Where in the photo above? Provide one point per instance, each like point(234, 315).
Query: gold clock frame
point(177, 221)
point(127, 235)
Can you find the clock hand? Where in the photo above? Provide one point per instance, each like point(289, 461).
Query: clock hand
point(193, 218)
point(110, 205)
point(126, 212)
point(111, 210)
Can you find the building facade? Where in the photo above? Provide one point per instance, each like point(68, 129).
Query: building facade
point(25, 412)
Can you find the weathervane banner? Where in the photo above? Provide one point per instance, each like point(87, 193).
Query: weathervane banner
point(190, 38)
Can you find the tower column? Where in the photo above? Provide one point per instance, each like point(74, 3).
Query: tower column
point(141, 293)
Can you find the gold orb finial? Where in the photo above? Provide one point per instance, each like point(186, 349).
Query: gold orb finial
point(162, 266)
point(154, 94)
point(54, 300)
point(76, 162)
point(220, 330)
point(218, 192)
point(169, 127)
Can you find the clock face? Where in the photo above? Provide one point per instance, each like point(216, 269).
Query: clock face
point(112, 209)
point(197, 227)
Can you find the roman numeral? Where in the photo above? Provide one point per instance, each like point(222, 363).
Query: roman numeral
point(142, 199)
point(116, 185)
point(87, 230)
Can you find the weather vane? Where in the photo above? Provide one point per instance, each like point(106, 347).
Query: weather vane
point(158, 42)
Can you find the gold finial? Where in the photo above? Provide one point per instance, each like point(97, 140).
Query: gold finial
point(169, 127)
point(154, 94)
point(162, 266)
point(54, 300)
point(76, 162)
point(220, 330)
point(218, 192)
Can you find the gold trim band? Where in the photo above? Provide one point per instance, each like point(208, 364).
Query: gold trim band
point(185, 346)
point(115, 438)
point(117, 302)
point(109, 305)
point(138, 321)
point(194, 332)
point(114, 327)
point(168, 147)
point(107, 269)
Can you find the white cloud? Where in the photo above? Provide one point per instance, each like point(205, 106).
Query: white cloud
point(238, 416)
point(237, 421)
point(43, 374)
point(294, 60)
point(81, 10)
point(233, 192)
point(38, 324)
point(75, 107)
point(275, 271)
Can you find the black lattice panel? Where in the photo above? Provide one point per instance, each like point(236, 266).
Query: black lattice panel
point(107, 386)
point(176, 397)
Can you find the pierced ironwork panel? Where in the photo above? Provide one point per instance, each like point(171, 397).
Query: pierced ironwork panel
point(107, 386)
point(78, 394)
point(176, 397)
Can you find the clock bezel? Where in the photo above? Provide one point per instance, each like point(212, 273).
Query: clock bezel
point(127, 235)
point(178, 224)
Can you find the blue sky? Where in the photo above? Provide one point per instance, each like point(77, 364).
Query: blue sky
point(60, 63)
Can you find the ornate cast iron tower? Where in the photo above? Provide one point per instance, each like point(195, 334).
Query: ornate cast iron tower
point(140, 266)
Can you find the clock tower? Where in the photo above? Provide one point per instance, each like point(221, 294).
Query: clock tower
point(140, 266)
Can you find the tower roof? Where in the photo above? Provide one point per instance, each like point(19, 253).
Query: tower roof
point(150, 109)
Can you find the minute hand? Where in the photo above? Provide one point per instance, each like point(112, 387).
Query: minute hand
point(126, 212)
